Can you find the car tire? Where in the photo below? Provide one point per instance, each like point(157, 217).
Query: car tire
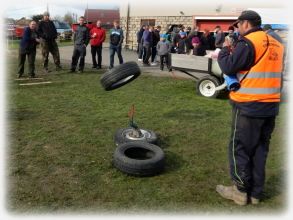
point(120, 75)
point(139, 159)
point(206, 86)
point(123, 135)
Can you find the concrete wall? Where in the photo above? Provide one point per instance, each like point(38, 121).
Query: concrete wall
point(163, 21)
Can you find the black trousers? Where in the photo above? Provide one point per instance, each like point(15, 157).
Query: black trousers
point(248, 151)
point(79, 52)
point(31, 56)
point(140, 51)
point(166, 59)
point(97, 51)
point(154, 53)
point(147, 53)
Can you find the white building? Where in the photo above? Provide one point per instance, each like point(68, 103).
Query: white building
point(189, 13)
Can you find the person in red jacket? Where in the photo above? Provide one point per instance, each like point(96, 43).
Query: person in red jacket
point(98, 36)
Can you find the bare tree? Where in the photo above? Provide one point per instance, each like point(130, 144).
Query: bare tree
point(58, 18)
point(68, 18)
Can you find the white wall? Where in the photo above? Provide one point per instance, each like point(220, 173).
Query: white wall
point(195, 7)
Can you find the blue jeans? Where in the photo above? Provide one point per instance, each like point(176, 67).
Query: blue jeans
point(114, 49)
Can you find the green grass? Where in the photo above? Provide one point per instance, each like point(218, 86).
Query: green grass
point(61, 147)
point(14, 44)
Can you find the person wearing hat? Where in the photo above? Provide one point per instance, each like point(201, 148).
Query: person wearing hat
point(257, 62)
point(163, 48)
point(48, 34)
point(269, 30)
point(182, 43)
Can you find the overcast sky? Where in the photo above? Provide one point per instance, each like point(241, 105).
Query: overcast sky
point(60, 8)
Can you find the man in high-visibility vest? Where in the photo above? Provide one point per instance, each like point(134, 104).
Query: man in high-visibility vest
point(257, 61)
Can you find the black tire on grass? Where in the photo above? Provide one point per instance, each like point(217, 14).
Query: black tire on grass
point(120, 75)
point(122, 136)
point(139, 159)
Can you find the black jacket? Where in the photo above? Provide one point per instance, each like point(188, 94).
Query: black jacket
point(116, 36)
point(242, 58)
point(47, 30)
point(81, 35)
point(156, 37)
point(139, 35)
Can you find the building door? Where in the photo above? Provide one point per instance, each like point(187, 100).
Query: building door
point(151, 22)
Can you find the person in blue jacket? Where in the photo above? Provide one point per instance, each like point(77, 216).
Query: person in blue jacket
point(27, 48)
point(116, 40)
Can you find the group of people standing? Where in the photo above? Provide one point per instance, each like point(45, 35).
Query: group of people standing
point(45, 34)
point(181, 40)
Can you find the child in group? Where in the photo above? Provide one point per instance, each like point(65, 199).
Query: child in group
point(163, 49)
point(182, 43)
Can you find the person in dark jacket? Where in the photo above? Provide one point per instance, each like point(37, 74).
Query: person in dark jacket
point(182, 43)
point(81, 39)
point(220, 37)
point(147, 41)
point(269, 30)
point(255, 106)
point(198, 49)
point(116, 40)
point(27, 48)
point(208, 41)
point(139, 44)
point(48, 34)
point(97, 35)
point(156, 39)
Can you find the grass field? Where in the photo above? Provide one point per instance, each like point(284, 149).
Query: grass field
point(61, 145)
point(14, 44)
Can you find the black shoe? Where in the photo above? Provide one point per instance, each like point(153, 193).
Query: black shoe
point(71, 71)
point(110, 67)
point(99, 67)
point(94, 67)
point(146, 64)
point(170, 70)
point(20, 76)
point(32, 76)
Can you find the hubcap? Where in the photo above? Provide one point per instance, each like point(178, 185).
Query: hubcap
point(207, 88)
point(128, 134)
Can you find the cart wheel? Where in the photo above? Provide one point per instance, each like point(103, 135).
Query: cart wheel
point(206, 86)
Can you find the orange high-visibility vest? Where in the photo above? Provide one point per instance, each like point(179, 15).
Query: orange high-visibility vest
point(263, 81)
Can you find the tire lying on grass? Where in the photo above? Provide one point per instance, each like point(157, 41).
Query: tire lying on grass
point(139, 159)
point(124, 135)
point(206, 86)
point(120, 75)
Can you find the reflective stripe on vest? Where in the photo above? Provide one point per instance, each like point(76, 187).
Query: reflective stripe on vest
point(263, 81)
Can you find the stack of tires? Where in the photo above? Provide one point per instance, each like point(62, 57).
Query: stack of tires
point(138, 156)
point(135, 154)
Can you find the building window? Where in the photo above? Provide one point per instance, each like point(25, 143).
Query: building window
point(151, 22)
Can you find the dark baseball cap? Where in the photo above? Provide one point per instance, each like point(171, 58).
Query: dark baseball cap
point(248, 15)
